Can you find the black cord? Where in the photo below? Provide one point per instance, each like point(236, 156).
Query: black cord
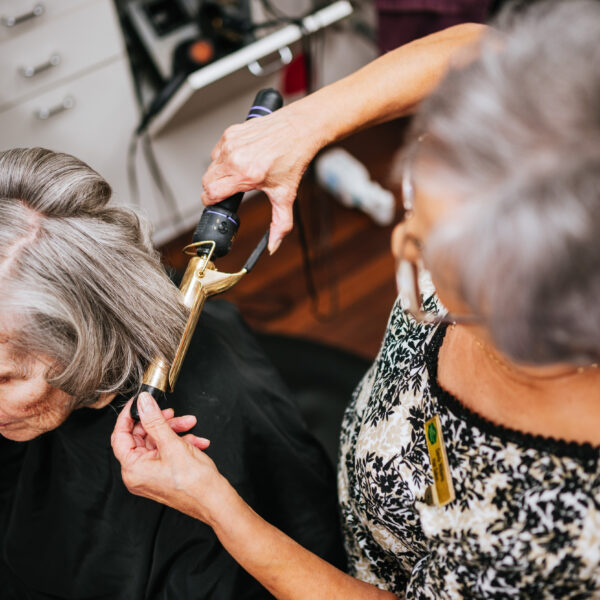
point(132, 178)
point(150, 159)
point(257, 252)
point(155, 106)
point(131, 167)
point(159, 179)
point(155, 172)
point(324, 235)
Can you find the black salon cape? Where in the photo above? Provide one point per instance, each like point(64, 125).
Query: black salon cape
point(70, 529)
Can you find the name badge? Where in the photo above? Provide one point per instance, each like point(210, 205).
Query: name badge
point(442, 490)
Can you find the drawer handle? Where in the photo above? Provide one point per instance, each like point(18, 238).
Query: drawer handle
point(45, 113)
point(285, 58)
point(34, 70)
point(37, 11)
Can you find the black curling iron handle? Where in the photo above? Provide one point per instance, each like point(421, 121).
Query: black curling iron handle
point(219, 223)
point(154, 392)
point(266, 102)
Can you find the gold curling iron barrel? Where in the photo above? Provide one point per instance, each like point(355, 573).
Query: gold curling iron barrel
point(212, 239)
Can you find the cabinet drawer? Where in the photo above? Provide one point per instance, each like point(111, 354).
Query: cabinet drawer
point(57, 50)
point(21, 16)
point(95, 129)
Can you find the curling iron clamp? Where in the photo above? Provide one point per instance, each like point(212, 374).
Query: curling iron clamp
point(212, 239)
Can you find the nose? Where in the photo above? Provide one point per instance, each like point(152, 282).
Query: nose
point(404, 243)
point(398, 240)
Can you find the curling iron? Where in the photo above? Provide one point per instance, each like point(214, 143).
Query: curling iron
point(212, 239)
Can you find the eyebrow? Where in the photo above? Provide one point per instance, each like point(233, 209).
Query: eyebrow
point(18, 371)
point(22, 367)
point(10, 375)
point(18, 363)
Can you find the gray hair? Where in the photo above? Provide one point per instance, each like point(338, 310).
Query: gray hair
point(79, 277)
point(515, 136)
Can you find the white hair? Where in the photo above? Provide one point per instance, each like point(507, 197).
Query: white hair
point(79, 279)
point(515, 135)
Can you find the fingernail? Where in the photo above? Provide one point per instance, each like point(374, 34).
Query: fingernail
point(145, 402)
point(274, 247)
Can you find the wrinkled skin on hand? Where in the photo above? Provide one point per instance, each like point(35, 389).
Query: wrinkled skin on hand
point(158, 464)
point(268, 154)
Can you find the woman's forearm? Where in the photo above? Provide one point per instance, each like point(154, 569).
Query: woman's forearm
point(286, 569)
point(272, 153)
point(158, 464)
point(389, 87)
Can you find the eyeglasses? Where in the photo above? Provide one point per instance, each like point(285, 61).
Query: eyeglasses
point(409, 274)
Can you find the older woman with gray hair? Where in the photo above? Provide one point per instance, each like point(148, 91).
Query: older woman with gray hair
point(81, 283)
point(469, 454)
point(85, 306)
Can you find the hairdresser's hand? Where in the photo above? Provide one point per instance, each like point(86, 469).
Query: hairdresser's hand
point(268, 154)
point(158, 464)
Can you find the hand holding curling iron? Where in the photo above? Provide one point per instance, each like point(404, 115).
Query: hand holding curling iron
point(158, 464)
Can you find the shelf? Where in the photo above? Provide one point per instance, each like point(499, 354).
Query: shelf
point(243, 69)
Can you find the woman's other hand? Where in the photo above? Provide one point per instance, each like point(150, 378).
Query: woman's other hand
point(268, 154)
point(158, 464)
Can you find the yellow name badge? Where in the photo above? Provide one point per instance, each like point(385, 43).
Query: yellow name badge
point(442, 490)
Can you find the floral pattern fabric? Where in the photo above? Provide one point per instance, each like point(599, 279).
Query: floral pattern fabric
point(526, 519)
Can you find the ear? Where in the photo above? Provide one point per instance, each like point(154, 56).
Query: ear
point(103, 400)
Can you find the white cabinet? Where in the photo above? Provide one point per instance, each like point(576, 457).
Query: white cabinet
point(21, 16)
point(84, 103)
point(57, 50)
point(88, 118)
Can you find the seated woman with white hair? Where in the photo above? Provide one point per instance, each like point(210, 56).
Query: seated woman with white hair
point(469, 461)
point(85, 305)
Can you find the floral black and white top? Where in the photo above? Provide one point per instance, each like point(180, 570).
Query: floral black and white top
point(526, 519)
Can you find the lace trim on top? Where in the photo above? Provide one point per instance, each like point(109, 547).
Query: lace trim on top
point(582, 451)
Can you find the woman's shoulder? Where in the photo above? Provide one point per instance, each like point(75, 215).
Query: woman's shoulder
point(402, 355)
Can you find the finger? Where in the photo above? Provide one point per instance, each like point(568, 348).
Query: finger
point(140, 439)
point(183, 423)
point(397, 242)
point(198, 442)
point(168, 413)
point(211, 175)
point(281, 224)
point(154, 423)
point(216, 189)
point(216, 151)
point(139, 435)
point(122, 439)
point(177, 424)
point(139, 431)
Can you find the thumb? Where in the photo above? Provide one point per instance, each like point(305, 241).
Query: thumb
point(281, 224)
point(154, 422)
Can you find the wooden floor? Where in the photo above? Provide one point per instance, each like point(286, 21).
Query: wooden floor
point(350, 256)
